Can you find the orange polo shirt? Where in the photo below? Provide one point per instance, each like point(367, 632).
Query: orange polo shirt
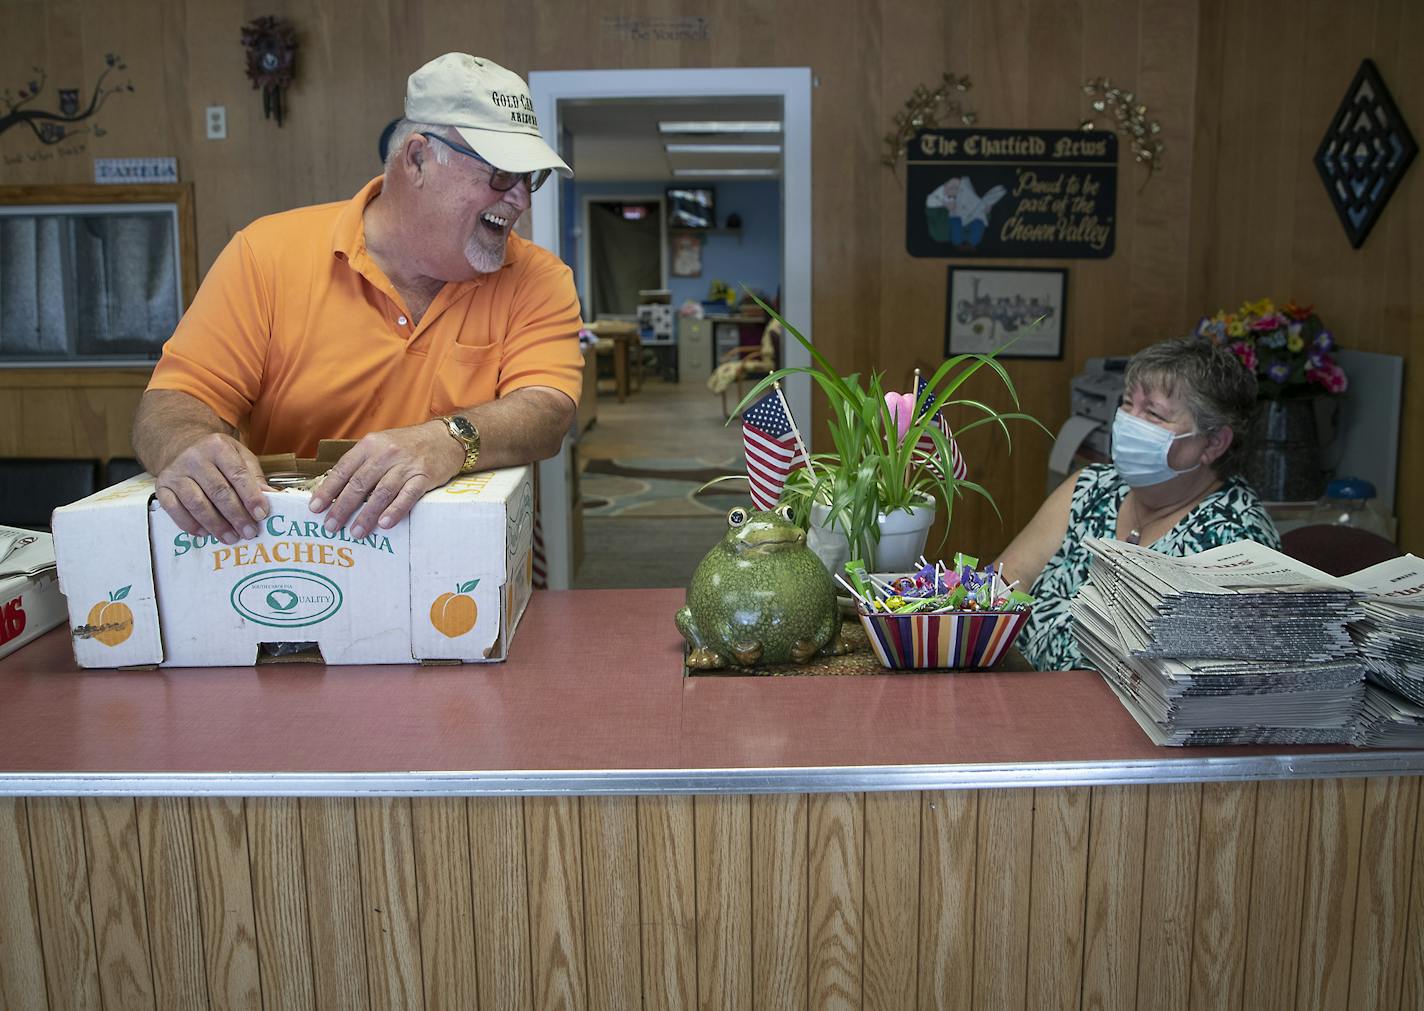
point(296, 335)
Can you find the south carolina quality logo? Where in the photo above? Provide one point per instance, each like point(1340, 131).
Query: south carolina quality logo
point(286, 598)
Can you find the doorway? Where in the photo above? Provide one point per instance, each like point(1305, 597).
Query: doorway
point(559, 99)
point(624, 242)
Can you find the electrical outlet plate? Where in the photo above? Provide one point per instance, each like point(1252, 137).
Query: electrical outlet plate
point(217, 122)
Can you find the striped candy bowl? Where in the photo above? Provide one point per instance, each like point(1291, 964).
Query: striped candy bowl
point(958, 640)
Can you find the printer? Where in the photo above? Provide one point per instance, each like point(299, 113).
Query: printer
point(1086, 437)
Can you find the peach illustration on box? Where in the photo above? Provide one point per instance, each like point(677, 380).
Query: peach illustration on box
point(110, 621)
point(454, 614)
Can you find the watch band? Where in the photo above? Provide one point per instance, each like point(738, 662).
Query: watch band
point(463, 431)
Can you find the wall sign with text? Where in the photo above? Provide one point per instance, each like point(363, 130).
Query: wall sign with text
point(1012, 193)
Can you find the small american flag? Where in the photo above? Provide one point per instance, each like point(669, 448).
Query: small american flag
point(926, 443)
point(770, 440)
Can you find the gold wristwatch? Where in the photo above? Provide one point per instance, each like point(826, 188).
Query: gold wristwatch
point(463, 431)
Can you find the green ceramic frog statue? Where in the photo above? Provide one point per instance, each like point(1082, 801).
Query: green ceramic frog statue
point(760, 596)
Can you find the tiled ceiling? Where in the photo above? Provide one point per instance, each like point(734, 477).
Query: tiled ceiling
point(614, 140)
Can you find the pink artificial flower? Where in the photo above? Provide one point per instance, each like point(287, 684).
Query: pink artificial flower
point(1267, 323)
point(1330, 376)
point(1246, 353)
point(902, 409)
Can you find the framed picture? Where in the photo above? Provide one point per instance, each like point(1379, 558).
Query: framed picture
point(687, 256)
point(989, 307)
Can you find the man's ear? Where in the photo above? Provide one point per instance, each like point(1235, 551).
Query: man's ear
point(414, 154)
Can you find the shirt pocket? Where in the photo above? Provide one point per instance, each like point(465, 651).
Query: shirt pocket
point(466, 377)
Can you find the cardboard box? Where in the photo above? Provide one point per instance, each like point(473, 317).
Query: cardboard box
point(448, 583)
point(30, 601)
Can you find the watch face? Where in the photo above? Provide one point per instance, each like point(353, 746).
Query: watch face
point(462, 427)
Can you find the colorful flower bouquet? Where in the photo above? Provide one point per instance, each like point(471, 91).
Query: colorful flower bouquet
point(1288, 348)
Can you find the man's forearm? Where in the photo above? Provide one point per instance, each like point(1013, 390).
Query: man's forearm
point(167, 423)
point(526, 426)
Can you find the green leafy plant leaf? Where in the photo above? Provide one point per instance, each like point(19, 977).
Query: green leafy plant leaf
point(121, 593)
point(467, 587)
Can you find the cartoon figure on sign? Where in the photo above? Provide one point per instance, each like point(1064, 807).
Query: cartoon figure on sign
point(454, 614)
point(109, 621)
point(958, 215)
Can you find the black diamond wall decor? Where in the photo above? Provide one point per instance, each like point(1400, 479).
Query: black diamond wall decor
point(1364, 153)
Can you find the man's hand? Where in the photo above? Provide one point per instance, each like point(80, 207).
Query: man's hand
point(214, 486)
point(388, 471)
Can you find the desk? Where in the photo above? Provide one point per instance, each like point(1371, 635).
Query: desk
point(624, 336)
point(582, 825)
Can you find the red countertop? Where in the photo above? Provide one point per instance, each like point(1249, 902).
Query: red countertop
point(593, 683)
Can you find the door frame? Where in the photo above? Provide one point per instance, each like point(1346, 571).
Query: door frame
point(793, 86)
point(585, 291)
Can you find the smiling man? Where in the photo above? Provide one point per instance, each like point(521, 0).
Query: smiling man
point(410, 317)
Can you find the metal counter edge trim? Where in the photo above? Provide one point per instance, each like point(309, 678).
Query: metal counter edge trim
point(836, 779)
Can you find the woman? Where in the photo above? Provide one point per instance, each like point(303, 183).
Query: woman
point(1176, 442)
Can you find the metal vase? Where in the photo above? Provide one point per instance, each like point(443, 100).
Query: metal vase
point(1283, 458)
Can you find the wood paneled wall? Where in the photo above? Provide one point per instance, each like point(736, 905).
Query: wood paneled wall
point(1243, 91)
point(1241, 895)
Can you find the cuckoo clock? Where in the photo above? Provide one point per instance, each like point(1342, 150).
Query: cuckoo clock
point(271, 45)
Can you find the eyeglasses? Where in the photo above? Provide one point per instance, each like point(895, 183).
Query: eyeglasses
point(500, 181)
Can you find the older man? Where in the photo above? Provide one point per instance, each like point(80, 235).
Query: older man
point(410, 318)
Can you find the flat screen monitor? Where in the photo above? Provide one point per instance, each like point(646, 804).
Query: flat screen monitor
point(691, 208)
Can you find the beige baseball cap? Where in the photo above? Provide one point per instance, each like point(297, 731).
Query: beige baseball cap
point(488, 105)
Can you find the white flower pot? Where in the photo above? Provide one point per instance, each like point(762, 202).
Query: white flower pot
point(902, 539)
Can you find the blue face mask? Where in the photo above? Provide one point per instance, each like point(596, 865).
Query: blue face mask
point(1140, 448)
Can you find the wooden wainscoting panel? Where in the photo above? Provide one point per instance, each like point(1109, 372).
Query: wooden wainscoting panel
point(1412, 989)
point(892, 898)
point(332, 858)
point(836, 881)
point(780, 901)
point(62, 887)
point(1228, 825)
point(501, 902)
point(1387, 843)
point(223, 868)
point(1277, 889)
point(22, 964)
point(555, 901)
point(1058, 895)
point(610, 902)
point(948, 851)
point(279, 901)
point(667, 895)
point(1004, 875)
point(117, 893)
point(175, 927)
point(1169, 896)
point(722, 862)
point(1113, 917)
point(1331, 875)
point(446, 902)
point(384, 836)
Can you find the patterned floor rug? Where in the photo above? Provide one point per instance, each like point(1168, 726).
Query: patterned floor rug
point(660, 487)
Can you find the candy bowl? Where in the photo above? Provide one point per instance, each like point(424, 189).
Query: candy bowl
point(960, 640)
point(940, 616)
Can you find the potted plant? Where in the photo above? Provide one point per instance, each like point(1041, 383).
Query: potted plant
point(1291, 354)
point(886, 473)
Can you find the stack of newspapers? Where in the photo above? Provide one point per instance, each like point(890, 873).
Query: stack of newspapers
point(1237, 645)
point(1390, 637)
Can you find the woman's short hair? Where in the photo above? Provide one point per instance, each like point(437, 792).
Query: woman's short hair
point(1210, 380)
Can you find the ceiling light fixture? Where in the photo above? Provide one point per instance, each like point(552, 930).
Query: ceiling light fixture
point(723, 148)
point(727, 172)
point(719, 126)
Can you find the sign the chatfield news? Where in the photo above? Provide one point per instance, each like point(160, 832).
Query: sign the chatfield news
point(1011, 193)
